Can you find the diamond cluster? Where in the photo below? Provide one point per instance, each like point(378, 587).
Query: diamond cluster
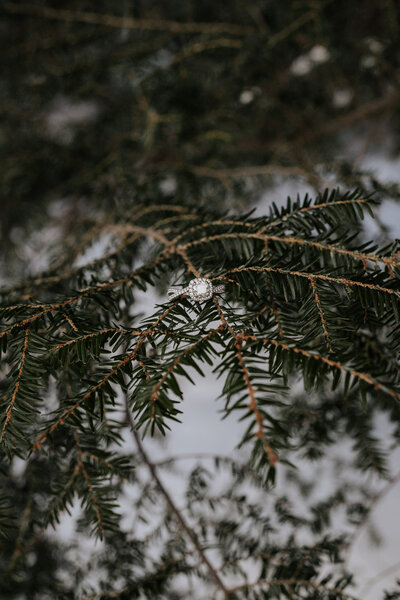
point(200, 289)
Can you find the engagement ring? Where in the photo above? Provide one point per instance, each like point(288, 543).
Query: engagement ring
point(199, 289)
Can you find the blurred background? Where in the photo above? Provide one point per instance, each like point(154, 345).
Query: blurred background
point(105, 105)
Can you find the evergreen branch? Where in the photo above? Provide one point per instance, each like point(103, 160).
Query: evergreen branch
point(237, 337)
point(90, 487)
point(181, 248)
point(388, 261)
point(50, 308)
point(312, 307)
point(13, 307)
point(306, 209)
point(135, 231)
point(59, 503)
point(67, 413)
point(87, 336)
point(272, 457)
point(179, 358)
point(316, 276)
point(65, 258)
point(84, 293)
point(177, 219)
point(17, 385)
point(54, 279)
point(336, 365)
point(100, 461)
point(70, 481)
point(214, 223)
point(190, 266)
point(185, 526)
point(125, 22)
point(149, 232)
point(92, 289)
point(309, 15)
point(291, 582)
point(361, 112)
point(139, 583)
point(370, 343)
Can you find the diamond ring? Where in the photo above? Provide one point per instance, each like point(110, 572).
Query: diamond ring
point(199, 289)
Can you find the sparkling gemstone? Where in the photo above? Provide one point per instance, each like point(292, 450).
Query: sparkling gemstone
point(200, 289)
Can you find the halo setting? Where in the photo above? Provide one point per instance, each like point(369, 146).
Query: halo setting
point(200, 289)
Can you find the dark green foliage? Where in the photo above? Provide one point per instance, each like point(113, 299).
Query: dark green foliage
point(301, 319)
point(134, 138)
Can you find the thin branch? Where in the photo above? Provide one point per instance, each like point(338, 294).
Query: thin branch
point(70, 321)
point(199, 47)
point(182, 522)
point(389, 261)
point(332, 363)
point(17, 384)
point(306, 209)
point(125, 22)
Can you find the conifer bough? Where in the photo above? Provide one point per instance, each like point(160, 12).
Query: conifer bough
point(303, 299)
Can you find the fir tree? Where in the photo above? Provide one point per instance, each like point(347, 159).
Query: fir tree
point(149, 131)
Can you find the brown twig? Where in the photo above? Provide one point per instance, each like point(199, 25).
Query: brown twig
point(172, 506)
point(253, 406)
point(126, 22)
